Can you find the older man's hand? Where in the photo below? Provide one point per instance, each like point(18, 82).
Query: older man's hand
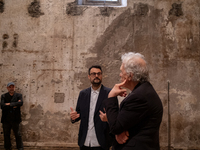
point(117, 90)
point(122, 138)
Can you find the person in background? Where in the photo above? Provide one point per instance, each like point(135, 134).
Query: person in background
point(136, 122)
point(93, 133)
point(11, 116)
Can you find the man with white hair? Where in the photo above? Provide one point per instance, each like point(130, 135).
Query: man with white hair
point(136, 122)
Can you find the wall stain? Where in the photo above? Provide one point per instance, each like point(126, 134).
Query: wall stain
point(34, 9)
point(144, 30)
point(142, 9)
point(176, 10)
point(32, 106)
point(21, 51)
point(73, 9)
point(15, 42)
point(1, 6)
point(59, 97)
point(53, 70)
point(175, 13)
point(122, 36)
point(56, 81)
point(30, 132)
point(106, 11)
point(4, 44)
point(187, 130)
point(5, 36)
point(46, 126)
point(141, 30)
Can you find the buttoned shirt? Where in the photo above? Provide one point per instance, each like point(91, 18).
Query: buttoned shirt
point(91, 138)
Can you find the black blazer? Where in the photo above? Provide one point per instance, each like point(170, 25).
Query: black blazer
point(140, 114)
point(16, 115)
point(82, 108)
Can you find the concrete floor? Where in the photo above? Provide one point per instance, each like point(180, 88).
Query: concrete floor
point(76, 148)
point(43, 148)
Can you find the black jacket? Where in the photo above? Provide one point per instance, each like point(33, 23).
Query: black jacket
point(82, 108)
point(140, 114)
point(10, 111)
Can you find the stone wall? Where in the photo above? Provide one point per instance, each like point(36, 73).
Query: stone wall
point(46, 47)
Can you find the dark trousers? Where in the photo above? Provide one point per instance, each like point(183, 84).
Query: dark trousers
point(7, 130)
point(91, 148)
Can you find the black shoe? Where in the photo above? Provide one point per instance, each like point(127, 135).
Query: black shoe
point(20, 148)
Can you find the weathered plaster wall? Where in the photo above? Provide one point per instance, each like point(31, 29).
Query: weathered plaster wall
point(46, 47)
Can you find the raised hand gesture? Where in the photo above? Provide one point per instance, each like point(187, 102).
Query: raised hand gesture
point(73, 114)
point(103, 116)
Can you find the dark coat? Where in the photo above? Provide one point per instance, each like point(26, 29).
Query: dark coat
point(16, 113)
point(82, 108)
point(140, 114)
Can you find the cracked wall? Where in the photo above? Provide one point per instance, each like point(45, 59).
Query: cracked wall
point(47, 46)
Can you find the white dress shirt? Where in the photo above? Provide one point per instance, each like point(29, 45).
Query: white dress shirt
point(91, 138)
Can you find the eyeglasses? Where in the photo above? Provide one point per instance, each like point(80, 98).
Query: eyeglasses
point(94, 74)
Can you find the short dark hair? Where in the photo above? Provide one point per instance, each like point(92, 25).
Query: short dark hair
point(95, 66)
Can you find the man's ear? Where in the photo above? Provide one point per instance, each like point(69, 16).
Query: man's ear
point(130, 76)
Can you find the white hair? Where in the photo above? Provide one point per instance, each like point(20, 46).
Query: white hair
point(133, 65)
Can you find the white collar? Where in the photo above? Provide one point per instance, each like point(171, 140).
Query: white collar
point(95, 91)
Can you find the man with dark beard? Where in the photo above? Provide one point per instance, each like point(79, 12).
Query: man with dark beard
point(93, 133)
